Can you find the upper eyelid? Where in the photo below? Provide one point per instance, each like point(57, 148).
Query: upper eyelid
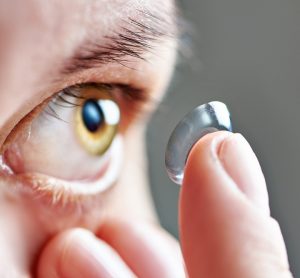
point(136, 97)
point(129, 91)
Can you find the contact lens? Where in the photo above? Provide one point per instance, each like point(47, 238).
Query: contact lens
point(204, 119)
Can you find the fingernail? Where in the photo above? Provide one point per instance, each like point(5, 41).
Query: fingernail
point(241, 164)
point(85, 255)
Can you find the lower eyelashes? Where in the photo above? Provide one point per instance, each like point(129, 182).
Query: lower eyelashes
point(79, 144)
point(55, 191)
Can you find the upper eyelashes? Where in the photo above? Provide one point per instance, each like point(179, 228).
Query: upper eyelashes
point(130, 99)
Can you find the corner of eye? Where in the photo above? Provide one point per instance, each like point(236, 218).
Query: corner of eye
point(5, 131)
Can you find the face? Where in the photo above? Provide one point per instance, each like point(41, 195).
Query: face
point(78, 80)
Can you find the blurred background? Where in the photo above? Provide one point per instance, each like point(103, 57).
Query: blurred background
point(246, 54)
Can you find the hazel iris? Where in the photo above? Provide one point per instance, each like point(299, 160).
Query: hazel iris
point(97, 122)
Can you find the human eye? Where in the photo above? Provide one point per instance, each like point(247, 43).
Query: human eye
point(71, 144)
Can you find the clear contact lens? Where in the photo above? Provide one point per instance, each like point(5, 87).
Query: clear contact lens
point(204, 119)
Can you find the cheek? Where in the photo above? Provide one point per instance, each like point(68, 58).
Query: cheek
point(26, 225)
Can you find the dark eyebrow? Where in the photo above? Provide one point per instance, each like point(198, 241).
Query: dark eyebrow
point(133, 39)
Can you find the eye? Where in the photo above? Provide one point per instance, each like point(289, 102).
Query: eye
point(73, 137)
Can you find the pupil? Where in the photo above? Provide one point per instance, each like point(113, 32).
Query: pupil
point(92, 115)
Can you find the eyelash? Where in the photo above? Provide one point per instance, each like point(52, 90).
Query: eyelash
point(59, 100)
point(129, 95)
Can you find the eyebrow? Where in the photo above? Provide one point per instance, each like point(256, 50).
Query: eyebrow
point(133, 39)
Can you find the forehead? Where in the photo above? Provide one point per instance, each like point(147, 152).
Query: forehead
point(73, 16)
point(58, 27)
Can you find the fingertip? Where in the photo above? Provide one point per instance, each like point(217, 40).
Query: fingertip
point(241, 164)
point(203, 152)
point(79, 253)
point(146, 248)
point(204, 176)
point(224, 212)
point(225, 162)
point(51, 256)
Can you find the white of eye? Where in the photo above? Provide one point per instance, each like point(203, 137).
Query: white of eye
point(110, 110)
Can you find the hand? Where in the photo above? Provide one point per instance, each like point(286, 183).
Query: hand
point(122, 249)
point(225, 226)
point(225, 223)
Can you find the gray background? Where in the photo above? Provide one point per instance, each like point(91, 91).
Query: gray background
point(246, 54)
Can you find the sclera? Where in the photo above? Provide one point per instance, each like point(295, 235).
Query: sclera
point(204, 119)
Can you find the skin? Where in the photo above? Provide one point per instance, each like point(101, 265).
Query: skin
point(225, 226)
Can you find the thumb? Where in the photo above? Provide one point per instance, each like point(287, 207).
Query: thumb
point(225, 227)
